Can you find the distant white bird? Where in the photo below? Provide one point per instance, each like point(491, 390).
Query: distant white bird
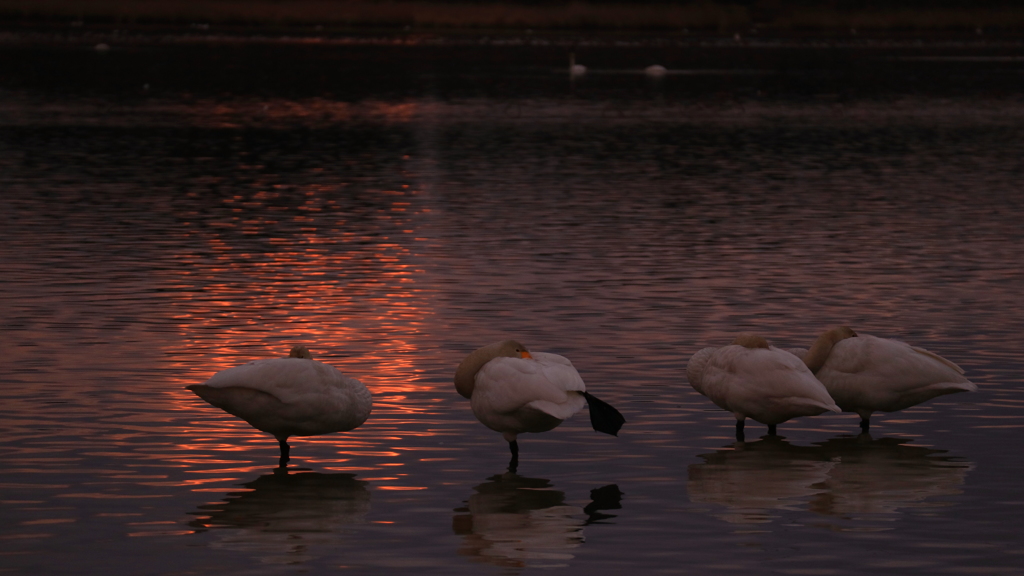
point(754, 380)
point(513, 391)
point(294, 396)
point(574, 68)
point(865, 374)
point(655, 70)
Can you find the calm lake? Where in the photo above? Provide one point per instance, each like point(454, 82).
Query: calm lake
point(176, 206)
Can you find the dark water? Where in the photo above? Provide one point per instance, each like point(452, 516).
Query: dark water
point(170, 209)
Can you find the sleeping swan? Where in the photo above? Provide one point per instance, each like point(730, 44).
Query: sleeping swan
point(512, 391)
point(865, 374)
point(754, 380)
point(294, 396)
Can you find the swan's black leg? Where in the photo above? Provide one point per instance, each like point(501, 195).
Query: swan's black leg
point(514, 462)
point(771, 429)
point(739, 430)
point(285, 450)
point(864, 424)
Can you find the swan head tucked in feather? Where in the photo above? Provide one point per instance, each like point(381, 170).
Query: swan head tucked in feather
point(750, 341)
point(695, 367)
point(465, 374)
point(822, 347)
point(300, 352)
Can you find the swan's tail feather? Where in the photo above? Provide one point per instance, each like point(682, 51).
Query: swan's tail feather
point(604, 417)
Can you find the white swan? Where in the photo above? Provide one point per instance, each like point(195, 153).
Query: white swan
point(865, 374)
point(574, 68)
point(513, 391)
point(294, 396)
point(754, 380)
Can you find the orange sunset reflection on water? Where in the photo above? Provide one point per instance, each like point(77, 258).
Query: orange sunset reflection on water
point(340, 283)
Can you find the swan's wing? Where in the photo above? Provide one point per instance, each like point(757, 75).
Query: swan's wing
point(265, 412)
point(560, 371)
point(793, 383)
point(887, 375)
point(757, 382)
point(287, 379)
point(245, 403)
point(563, 410)
point(289, 396)
point(508, 384)
point(890, 363)
point(547, 358)
point(938, 358)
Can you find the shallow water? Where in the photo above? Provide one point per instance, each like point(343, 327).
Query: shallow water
point(173, 209)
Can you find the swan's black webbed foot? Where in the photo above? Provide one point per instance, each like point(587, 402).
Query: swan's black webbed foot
point(603, 416)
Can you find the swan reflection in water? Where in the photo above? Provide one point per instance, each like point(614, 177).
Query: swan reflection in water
point(846, 477)
point(882, 476)
point(285, 513)
point(513, 521)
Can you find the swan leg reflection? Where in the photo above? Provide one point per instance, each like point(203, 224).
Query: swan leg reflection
point(285, 451)
point(739, 430)
point(771, 430)
point(864, 424)
point(514, 462)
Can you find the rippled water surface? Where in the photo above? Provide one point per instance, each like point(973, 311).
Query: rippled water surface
point(173, 209)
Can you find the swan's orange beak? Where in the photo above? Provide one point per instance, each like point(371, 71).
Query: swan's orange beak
point(524, 354)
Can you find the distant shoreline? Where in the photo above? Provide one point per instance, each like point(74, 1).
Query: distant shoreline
point(778, 18)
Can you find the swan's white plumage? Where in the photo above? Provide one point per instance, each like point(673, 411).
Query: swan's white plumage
point(515, 395)
point(866, 374)
point(769, 385)
point(289, 396)
point(695, 367)
point(798, 352)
